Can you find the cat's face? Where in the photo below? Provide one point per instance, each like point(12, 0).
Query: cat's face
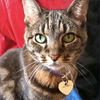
point(56, 38)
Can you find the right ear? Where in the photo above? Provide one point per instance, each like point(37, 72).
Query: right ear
point(78, 10)
point(32, 11)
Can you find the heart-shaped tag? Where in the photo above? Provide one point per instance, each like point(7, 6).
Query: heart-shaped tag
point(65, 88)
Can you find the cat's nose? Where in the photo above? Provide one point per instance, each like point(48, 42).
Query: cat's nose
point(54, 57)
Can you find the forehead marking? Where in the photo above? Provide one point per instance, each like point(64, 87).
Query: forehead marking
point(61, 27)
point(54, 21)
point(46, 28)
point(54, 18)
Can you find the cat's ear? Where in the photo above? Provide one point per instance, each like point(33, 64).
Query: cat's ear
point(32, 11)
point(78, 10)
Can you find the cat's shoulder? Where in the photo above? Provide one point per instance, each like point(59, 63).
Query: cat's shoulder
point(10, 64)
point(12, 52)
point(11, 57)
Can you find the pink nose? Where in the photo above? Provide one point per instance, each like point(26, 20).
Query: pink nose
point(54, 57)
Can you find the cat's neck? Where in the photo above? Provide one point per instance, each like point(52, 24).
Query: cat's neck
point(35, 90)
point(32, 92)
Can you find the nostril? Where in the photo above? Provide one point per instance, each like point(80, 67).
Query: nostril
point(54, 57)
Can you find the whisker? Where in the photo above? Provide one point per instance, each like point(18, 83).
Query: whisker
point(86, 70)
point(82, 74)
point(83, 71)
point(32, 56)
point(35, 72)
point(26, 66)
point(80, 60)
point(33, 65)
point(70, 72)
point(71, 75)
point(32, 74)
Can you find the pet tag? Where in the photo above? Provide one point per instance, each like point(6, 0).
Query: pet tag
point(65, 87)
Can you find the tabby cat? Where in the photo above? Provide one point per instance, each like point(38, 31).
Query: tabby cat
point(54, 40)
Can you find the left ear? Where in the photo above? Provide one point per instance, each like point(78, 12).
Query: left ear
point(32, 11)
point(78, 10)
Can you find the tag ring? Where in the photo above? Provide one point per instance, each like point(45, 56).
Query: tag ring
point(65, 79)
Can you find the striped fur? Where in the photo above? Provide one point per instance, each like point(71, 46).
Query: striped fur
point(27, 73)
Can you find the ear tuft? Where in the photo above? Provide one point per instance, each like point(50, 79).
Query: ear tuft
point(32, 11)
point(78, 10)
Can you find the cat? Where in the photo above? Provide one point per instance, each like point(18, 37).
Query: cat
point(54, 41)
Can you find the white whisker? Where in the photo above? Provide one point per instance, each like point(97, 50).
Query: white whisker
point(80, 60)
point(82, 74)
point(33, 65)
point(70, 72)
point(71, 75)
point(32, 74)
point(83, 71)
point(86, 70)
point(37, 69)
point(26, 67)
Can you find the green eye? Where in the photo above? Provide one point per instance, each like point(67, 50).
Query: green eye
point(68, 38)
point(40, 38)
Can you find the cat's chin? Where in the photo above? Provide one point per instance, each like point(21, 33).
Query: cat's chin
point(54, 66)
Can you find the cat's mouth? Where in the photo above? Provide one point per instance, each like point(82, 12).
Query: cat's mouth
point(54, 65)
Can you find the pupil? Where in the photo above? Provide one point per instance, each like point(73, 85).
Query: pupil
point(68, 36)
point(40, 37)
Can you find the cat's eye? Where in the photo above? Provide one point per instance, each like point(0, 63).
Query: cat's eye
point(68, 38)
point(40, 38)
